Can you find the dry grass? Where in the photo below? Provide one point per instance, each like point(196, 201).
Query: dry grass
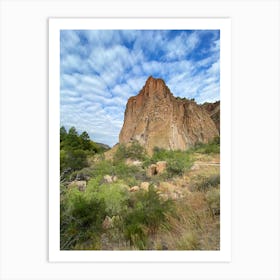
point(193, 228)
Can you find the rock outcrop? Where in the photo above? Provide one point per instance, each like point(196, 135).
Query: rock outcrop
point(155, 118)
point(213, 110)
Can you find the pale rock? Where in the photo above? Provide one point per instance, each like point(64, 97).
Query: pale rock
point(151, 170)
point(134, 189)
point(132, 162)
point(80, 185)
point(213, 110)
point(144, 186)
point(161, 167)
point(108, 179)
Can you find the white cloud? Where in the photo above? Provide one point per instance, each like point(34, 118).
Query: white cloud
point(181, 45)
point(101, 69)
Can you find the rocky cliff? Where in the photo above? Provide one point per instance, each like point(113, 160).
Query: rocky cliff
point(213, 110)
point(155, 118)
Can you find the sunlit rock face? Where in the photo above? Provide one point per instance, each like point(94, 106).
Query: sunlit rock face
point(213, 110)
point(155, 118)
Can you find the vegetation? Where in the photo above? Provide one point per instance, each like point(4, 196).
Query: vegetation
point(75, 150)
point(177, 161)
point(179, 210)
point(132, 151)
point(211, 148)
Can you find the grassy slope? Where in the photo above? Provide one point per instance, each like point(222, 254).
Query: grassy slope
point(179, 212)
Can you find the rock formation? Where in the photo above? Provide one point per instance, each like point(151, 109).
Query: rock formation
point(213, 110)
point(155, 118)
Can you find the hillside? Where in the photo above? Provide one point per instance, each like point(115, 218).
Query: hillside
point(169, 201)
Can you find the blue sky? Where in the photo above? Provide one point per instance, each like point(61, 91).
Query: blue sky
point(101, 69)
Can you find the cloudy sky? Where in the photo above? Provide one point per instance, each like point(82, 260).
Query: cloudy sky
point(101, 69)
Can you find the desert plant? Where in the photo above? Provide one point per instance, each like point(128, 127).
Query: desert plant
point(188, 241)
point(213, 200)
point(177, 161)
point(147, 212)
point(213, 147)
point(80, 219)
point(133, 151)
point(204, 183)
point(114, 195)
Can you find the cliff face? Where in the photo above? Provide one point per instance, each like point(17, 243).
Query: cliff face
point(155, 118)
point(213, 110)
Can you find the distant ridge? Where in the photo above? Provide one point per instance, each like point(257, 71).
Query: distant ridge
point(103, 146)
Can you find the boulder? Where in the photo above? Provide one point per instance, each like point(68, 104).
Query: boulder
point(134, 189)
point(108, 179)
point(132, 162)
point(152, 170)
point(145, 186)
point(161, 167)
point(80, 185)
point(155, 169)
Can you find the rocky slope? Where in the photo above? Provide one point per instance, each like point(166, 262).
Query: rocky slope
point(155, 118)
point(213, 110)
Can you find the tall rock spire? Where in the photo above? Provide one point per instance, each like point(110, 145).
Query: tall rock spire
point(155, 118)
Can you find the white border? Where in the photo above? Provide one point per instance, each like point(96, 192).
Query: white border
point(224, 254)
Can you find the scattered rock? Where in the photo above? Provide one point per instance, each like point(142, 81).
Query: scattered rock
point(108, 179)
point(80, 185)
point(132, 162)
point(145, 186)
point(157, 168)
point(161, 167)
point(152, 170)
point(82, 177)
point(134, 189)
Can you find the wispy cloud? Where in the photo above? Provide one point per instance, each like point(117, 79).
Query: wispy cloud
point(101, 69)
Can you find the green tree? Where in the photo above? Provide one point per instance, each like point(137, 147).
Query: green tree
point(63, 134)
point(72, 140)
point(85, 141)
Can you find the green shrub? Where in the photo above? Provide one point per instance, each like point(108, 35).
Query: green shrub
point(213, 200)
point(115, 197)
point(75, 150)
point(102, 168)
point(72, 160)
point(133, 151)
point(177, 161)
point(128, 174)
point(147, 212)
point(80, 219)
point(124, 171)
point(203, 183)
point(212, 147)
